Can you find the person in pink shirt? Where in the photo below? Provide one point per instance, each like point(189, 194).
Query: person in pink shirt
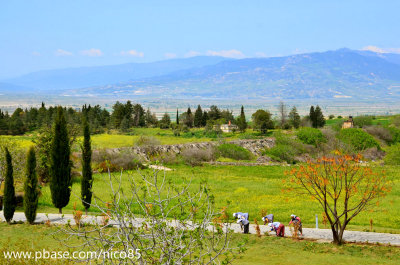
point(295, 220)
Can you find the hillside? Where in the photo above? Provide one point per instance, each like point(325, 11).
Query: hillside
point(340, 74)
point(328, 75)
point(103, 75)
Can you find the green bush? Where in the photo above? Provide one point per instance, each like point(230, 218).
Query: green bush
point(358, 139)
point(311, 136)
point(393, 155)
point(286, 148)
point(282, 153)
point(361, 121)
point(395, 132)
point(234, 151)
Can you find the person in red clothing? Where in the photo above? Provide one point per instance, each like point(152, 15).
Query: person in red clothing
point(295, 220)
point(278, 228)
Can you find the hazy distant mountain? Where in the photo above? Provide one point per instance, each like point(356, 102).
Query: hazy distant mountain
point(390, 57)
point(103, 75)
point(334, 74)
point(11, 88)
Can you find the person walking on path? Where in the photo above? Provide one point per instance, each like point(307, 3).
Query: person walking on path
point(296, 222)
point(278, 228)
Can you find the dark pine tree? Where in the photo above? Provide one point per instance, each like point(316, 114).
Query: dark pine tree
point(9, 202)
point(294, 118)
point(177, 117)
point(204, 119)
point(241, 122)
point(319, 117)
point(312, 117)
point(189, 118)
point(198, 117)
point(31, 189)
point(60, 168)
point(87, 174)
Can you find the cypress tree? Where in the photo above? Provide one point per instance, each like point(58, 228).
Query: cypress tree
point(294, 118)
point(31, 189)
point(242, 124)
point(189, 118)
point(198, 117)
point(204, 119)
point(319, 117)
point(9, 202)
point(177, 117)
point(87, 179)
point(312, 117)
point(60, 168)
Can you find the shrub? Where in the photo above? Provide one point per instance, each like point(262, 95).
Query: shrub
point(148, 144)
point(395, 132)
point(234, 151)
point(361, 121)
point(195, 157)
point(358, 138)
point(393, 155)
point(113, 161)
point(147, 141)
point(396, 120)
point(380, 132)
point(286, 149)
point(283, 153)
point(167, 158)
point(311, 136)
point(373, 154)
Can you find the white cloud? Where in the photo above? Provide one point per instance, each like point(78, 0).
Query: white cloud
point(61, 52)
point(192, 54)
point(226, 53)
point(133, 53)
point(35, 53)
point(92, 52)
point(380, 50)
point(261, 54)
point(170, 55)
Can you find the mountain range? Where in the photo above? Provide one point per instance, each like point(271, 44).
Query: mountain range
point(339, 74)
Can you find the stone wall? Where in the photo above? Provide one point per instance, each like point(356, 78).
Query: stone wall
point(255, 146)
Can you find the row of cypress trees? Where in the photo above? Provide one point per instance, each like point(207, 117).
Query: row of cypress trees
point(60, 171)
point(31, 189)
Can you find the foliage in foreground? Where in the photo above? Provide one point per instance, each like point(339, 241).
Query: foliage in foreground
point(169, 225)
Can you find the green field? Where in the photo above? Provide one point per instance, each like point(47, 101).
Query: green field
point(116, 140)
point(252, 189)
point(264, 250)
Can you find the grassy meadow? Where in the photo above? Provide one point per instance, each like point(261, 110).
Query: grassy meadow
point(252, 189)
point(267, 249)
point(240, 188)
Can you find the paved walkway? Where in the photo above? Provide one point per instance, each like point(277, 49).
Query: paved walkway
point(309, 233)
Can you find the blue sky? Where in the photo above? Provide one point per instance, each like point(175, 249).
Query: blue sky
point(38, 35)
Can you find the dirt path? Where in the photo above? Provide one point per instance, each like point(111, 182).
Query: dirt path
point(309, 233)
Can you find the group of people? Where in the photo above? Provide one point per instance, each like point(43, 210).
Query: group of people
point(279, 228)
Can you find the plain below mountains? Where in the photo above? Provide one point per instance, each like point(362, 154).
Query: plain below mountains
point(340, 74)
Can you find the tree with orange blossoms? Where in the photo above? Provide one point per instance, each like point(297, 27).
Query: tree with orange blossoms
point(343, 186)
